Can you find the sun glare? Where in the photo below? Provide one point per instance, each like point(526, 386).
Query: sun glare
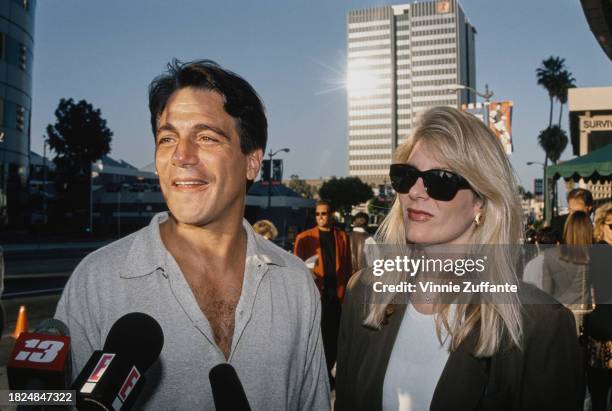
point(360, 82)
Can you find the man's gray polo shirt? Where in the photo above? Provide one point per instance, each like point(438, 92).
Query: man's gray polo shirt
point(276, 350)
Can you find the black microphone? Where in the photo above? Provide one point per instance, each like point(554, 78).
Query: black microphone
point(227, 389)
point(113, 378)
point(41, 360)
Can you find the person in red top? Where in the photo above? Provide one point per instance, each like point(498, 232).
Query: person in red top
point(326, 251)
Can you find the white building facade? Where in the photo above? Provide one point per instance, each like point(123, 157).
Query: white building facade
point(402, 60)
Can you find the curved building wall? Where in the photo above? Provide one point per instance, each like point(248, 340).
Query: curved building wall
point(16, 58)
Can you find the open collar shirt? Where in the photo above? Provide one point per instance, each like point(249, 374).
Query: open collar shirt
point(276, 347)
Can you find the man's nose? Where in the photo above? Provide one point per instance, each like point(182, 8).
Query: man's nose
point(185, 154)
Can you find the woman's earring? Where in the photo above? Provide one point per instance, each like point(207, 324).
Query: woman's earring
point(478, 219)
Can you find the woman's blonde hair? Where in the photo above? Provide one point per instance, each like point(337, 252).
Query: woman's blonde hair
point(601, 214)
point(266, 229)
point(466, 146)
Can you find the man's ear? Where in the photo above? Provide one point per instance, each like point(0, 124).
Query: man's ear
point(254, 160)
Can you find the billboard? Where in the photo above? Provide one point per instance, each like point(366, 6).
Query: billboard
point(498, 114)
point(443, 6)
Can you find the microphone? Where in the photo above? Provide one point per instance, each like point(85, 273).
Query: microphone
point(113, 378)
point(41, 360)
point(228, 393)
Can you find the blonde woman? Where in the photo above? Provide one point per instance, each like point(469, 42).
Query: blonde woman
point(603, 224)
point(266, 229)
point(455, 185)
point(565, 268)
point(598, 324)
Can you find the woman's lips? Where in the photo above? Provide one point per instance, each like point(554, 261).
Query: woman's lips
point(418, 215)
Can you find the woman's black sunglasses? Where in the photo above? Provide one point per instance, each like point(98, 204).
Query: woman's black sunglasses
point(440, 184)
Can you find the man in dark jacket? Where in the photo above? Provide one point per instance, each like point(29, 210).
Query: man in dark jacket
point(327, 253)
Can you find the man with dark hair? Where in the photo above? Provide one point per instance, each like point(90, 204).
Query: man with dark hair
point(578, 199)
point(327, 252)
point(220, 292)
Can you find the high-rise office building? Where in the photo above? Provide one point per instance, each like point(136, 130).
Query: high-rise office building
point(16, 57)
point(401, 60)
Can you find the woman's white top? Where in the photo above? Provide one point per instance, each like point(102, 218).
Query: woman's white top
point(415, 366)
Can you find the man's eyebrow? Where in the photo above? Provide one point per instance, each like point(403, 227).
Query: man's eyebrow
point(198, 127)
point(166, 127)
point(206, 127)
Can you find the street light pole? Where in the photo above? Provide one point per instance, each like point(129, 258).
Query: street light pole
point(272, 154)
point(44, 188)
point(119, 211)
point(530, 163)
point(119, 194)
point(486, 96)
point(92, 175)
point(91, 199)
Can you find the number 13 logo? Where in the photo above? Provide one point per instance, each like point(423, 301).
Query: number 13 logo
point(50, 352)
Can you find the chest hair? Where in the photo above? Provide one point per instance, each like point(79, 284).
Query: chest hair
point(218, 303)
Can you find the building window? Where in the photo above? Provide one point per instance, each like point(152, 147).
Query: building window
point(22, 57)
point(24, 3)
point(16, 53)
point(20, 118)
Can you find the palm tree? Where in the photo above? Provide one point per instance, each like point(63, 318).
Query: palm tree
point(548, 77)
point(553, 141)
point(556, 79)
point(566, 81)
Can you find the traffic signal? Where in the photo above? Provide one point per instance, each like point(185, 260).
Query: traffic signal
point(265, 170)
point(277, 170)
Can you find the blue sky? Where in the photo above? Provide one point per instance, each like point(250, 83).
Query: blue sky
point(294, 54)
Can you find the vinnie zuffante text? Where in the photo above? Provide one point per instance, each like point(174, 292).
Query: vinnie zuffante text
point(456, 266)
